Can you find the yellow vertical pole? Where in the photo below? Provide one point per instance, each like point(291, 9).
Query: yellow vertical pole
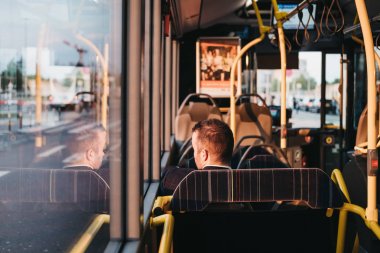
point(283, 85)
point(38, 98)
point(38, 112)
point(105, 87)
point(371, 211)
point(281, 38)
point(263, 30)
point(104, 64)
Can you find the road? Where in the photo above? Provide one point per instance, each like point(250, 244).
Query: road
point(19, 149)
point(311, 119)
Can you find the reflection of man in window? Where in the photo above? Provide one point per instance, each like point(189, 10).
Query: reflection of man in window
point(85, 149)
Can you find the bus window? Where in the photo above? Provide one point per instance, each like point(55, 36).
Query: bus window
point(333, 96)
point(56, 131)
point(303, 89)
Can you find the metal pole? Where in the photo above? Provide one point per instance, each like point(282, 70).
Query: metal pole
point(263, 30)
point(372, 161)
point(279, 19)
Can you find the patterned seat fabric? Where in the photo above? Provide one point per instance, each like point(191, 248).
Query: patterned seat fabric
point(84, 189)
point(263, 161)
point(201, 188)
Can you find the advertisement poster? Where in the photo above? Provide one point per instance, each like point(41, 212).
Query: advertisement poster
point(214, 60)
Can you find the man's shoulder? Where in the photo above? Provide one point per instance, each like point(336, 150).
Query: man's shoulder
point(77, 167)
point(217, 167)
point(171, 177)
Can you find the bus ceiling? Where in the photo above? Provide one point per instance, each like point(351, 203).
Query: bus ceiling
point(188, 16)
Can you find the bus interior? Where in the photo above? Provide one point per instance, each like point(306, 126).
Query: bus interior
point(296, 81)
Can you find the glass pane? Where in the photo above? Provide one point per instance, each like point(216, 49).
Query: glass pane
point(333, 96)
point(54, 119)
point(303, 90)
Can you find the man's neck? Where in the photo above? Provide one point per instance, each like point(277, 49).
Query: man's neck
point(217, 164)
point(78, 165)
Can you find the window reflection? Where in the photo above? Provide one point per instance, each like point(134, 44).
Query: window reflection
point(54, 86)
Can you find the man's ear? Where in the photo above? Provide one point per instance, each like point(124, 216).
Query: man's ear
point(90, 155)
point(204, 154)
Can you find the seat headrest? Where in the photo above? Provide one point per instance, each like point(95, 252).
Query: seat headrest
point(200, 111)
point(256, 109)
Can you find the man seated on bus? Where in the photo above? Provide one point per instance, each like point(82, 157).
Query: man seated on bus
point(85, 149)
point(213, 144)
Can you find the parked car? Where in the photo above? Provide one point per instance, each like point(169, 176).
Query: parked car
point(306, 103)
point(275, 111)
point(330, 106)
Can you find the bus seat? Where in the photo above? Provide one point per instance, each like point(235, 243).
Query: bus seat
point(272, 151)
point(252, 119)
point(189, 114)
point(311, 186)
point(82, 189)
point(240, 151)
point(361, 134)
point(263, 161)
point(213, 205)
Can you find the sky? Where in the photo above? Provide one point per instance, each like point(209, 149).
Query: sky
point(314, 60)
point(27, 24)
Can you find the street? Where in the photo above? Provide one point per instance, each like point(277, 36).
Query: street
point(311, 119)
point(39, 146)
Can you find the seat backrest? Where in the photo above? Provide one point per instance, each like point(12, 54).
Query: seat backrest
point(272, 156)
point(189, 115)
point(361, 134)
point(263, 161)
point(84, 189)
point(203, 187)
point(252, 119)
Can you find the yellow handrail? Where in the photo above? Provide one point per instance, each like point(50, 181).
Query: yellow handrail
point(371, 224)
point(371, 211)
point(90, 233)
point(104, 63)
point(167, 233)
point(161, 204)
point(337, 177)
point(263, 30)
point(279, 15)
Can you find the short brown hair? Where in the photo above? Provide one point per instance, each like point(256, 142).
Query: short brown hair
point(78, 142)
point(219, 135)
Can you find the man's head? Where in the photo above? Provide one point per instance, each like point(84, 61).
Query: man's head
point(212, 143)
point(86, 147)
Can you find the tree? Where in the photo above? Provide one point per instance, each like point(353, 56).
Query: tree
point(275, 85)
point(12, 73)
point(306, 83)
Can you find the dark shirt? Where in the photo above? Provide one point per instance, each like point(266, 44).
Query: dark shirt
point(173, 175)
point(103, 173)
